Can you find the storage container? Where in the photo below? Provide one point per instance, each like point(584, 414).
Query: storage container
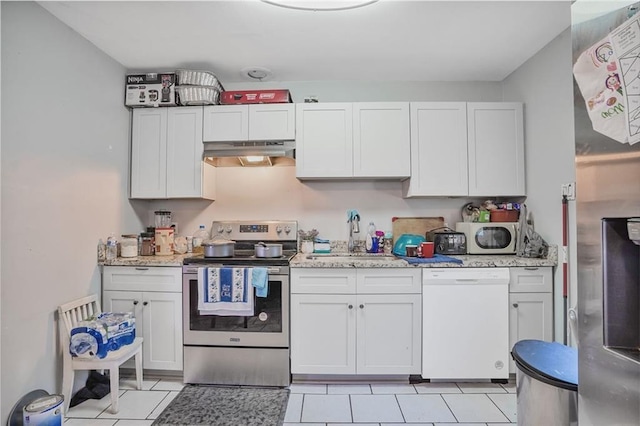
point(197, 95)
point(129, 245)
point(500, 215)
point(198, 78)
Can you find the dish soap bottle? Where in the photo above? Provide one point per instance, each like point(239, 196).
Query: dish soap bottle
point(371, 239)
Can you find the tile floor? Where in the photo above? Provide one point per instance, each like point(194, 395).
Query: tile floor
point(330, 405)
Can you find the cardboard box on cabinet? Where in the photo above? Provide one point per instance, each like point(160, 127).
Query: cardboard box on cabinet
point(150, 90)
point(275, 96)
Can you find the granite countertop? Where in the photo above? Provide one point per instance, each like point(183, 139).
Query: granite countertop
point(302, 260)
point(334, 260)
point(173, 260)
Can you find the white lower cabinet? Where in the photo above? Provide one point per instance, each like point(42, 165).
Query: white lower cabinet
point(154, 295)
point(530, 306)
point(345, 329)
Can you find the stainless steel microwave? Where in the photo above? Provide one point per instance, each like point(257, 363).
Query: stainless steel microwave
point(489, 237)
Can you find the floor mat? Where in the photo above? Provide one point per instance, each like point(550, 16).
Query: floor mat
point(226, 406)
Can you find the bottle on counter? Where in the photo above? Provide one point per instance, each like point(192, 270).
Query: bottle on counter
point(371, 239)
point(380, 237)
point(388, 242)
point(112, 248)
point(102, 251)
point(200, 236)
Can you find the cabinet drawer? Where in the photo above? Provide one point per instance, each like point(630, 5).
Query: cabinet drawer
point(323, 281)
point(142, 278)
point(530, 280)
point(389, 280)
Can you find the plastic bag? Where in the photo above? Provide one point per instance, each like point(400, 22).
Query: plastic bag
point(530, 243)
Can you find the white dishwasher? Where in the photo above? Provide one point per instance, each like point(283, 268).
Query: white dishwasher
point(465, 323)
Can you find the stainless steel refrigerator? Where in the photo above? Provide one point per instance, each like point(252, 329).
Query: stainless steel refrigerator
point(608, 282)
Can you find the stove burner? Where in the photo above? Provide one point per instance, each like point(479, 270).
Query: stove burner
point(241, 259)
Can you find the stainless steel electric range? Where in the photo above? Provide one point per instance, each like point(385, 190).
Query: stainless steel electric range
point(241, 350)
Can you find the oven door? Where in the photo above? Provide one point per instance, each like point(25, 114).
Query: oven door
point(268, 327)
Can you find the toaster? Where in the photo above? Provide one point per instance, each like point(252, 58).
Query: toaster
point(448, 241)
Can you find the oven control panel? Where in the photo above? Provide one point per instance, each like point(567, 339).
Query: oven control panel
point(269, 230)
point(254, 228)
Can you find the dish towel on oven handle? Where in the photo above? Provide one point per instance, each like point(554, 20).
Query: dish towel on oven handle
point(209, 288)
point(225, 292)
point(260, 280)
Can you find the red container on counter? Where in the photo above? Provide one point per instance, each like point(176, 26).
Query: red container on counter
point(500, 215)
point(275, 96)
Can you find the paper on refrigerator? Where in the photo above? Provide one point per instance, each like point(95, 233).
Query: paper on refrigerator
point(608, 75)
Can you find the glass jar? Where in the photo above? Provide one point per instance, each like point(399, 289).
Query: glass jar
point(129, 245)
point(388, 243)
point(148, 247)
point(306, 246)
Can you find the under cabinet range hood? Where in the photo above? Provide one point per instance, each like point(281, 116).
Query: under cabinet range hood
point(243, 149)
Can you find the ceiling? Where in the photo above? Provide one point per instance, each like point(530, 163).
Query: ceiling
point(390, 40)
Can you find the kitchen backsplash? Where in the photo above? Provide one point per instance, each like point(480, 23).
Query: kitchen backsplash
point(275, 193)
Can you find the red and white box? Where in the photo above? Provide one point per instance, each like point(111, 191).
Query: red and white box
point(276, 96)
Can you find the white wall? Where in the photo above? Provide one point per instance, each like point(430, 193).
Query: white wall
point(545, 84)
point(64, 184)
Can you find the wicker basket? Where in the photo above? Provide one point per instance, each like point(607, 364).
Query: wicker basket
point(198, 78)
point(197, 95)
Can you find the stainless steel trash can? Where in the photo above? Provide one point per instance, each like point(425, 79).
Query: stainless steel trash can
point(546, 383)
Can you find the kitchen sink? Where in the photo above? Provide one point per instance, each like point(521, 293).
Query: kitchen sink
point(337, 257)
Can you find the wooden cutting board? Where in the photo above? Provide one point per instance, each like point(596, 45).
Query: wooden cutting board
point(414, 225)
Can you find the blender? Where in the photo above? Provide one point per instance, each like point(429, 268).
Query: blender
point(164, 233)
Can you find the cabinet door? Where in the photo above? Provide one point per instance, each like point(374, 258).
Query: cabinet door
point(185, 166)
point(496, 149)
point(324, 140)
point(389, 280)
point(323, 334)
point(531, 280)
point(381, 144)
point(142, 278)
point(162, 323)
point(149, 153)
point(530, 317)
point(438, 150)
point(323, 280)
point(389, 334)
point(272, 122)
point(124, 301)
point(226, 123)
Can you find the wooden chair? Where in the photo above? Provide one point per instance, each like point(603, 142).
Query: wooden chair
point(69, 315)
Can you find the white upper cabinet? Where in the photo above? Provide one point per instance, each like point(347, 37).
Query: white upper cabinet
point(466, 149)
point(166, 155)
point(238, 123)
point(496, 149)
point(438, 150)
point(381, 144)
point(324, 140)
point(149, 153)
point(223, 123)
point(352, 140)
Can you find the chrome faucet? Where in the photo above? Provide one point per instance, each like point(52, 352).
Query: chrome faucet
point(353, 219)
